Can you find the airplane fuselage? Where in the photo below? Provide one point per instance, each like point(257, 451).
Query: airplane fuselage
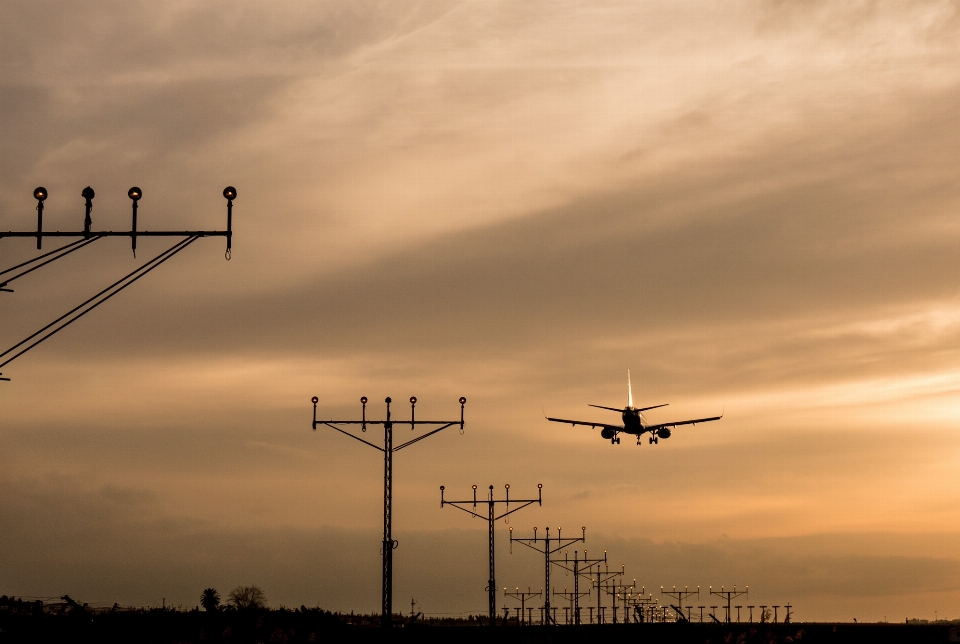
point(632, 421)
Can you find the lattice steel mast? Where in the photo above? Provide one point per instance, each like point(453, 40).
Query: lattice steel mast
point(729, 595)
point(386, 604)
point(559, 544)
point(523, 597)
point(603, 576)
point(491, 519)
point(681, 595)
point(578, 567)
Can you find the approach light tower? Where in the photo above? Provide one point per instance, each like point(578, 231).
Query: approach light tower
point(729, 595)
point(89, 236)
point(549, 547)
point(603, 576)
point(680, 596)
point(523, 597)
point(386, 614)
point(491, 519)
point(579, 567)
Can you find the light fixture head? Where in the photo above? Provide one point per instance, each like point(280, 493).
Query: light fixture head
point(413, 400)
point(135, 193)
point(88, 193)
point(463, 400)
point(314, 400)
point(230, 193)
point(363, 399)
point(40, 194)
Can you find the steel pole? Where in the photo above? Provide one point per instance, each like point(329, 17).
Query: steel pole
point(599, 621)
point(576, 589)
point(614, 607)
point(546, 580)
point(386, 614)
point(491, 584)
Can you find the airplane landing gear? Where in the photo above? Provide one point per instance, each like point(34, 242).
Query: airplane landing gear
point(654, 440)
point(618, 441)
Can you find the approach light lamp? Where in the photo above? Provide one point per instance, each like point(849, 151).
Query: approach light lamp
point(413, 400)
point(363, 399)
point(463, 400)
point(88, 193)
point(135, 193)
point(230, 193)
point(314, 400)
point(40, 194)
point(388, 400)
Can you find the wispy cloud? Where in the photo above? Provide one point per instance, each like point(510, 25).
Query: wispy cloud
point(751, 206)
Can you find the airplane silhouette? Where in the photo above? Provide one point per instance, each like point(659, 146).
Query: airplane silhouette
point(634, 422)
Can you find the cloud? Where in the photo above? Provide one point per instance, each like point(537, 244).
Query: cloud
point(750, 206)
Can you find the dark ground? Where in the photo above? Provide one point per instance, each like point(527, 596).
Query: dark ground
point(167, 627)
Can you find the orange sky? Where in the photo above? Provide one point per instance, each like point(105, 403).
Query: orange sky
point(751, 206)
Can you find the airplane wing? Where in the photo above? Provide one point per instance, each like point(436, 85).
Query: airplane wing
point(653, 428)
point(618, 428)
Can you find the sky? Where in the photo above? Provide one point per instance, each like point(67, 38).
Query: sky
point(750, 205)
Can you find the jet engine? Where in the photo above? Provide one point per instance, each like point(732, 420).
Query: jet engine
point(664, 432)
point(608, 433)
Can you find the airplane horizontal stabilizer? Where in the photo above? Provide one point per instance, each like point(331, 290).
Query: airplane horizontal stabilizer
point(653, 407)
point(610, 408)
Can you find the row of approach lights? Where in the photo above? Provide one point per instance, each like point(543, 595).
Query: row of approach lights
point(135, 194)
point(388, 399)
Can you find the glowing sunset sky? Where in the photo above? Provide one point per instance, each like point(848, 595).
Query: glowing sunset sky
point(754, 206)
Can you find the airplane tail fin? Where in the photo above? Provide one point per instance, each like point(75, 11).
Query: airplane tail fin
point(629, 391)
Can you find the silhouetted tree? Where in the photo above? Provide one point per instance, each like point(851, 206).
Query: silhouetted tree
point(210, 600)
point(247, 598)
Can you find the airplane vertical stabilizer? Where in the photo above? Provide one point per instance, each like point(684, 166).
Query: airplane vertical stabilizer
point(629, 391)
